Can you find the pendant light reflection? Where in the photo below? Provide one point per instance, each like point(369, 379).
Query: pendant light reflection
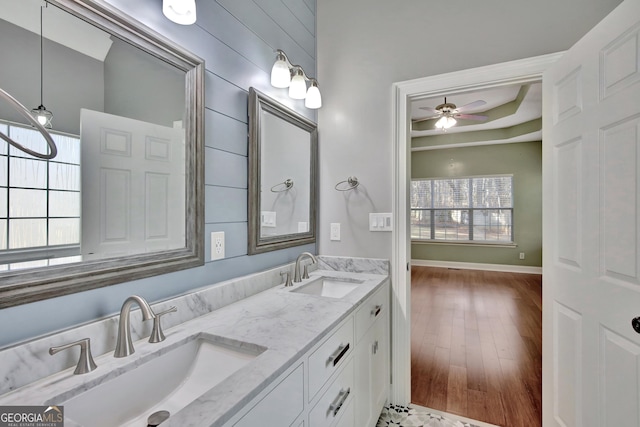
point(41, 114)
point(286, 75)
point(181, 12)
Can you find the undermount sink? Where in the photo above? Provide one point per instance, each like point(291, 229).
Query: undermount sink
point(330, 287)
point(168, 382)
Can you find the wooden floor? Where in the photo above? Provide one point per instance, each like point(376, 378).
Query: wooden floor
point(476, 344)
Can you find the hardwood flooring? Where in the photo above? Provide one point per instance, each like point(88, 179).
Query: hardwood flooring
point(476, 344)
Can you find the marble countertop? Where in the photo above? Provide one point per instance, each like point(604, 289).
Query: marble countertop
point(286, 323)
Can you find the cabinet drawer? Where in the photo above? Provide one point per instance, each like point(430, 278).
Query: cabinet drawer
point(335, 403)
point(330, 356)
point(373, 308)
point(281, 406)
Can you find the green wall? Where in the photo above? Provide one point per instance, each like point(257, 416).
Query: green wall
point(524, 161)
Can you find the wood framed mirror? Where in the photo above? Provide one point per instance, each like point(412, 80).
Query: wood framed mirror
point(283, 167)
point(141, 145)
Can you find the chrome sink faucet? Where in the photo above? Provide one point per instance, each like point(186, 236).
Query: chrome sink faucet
point(296, 270)
point(124, 345)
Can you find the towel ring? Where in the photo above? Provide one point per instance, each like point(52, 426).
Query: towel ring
point(283, 186)
point(352, 181)
point(53, 150)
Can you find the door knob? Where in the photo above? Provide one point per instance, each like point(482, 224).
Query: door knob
point(636, 324)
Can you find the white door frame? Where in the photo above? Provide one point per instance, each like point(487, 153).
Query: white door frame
point(515, 72)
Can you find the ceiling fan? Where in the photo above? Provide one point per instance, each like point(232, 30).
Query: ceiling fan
point(449, 112)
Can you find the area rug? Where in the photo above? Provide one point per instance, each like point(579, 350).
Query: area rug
point(414, 416)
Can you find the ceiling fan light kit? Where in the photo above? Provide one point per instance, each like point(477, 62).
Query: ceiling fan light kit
point(284, 75)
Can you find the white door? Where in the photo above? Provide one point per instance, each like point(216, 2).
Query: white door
point(591, 285)
point(133, 186)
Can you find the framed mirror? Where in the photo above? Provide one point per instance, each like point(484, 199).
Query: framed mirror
point(123, 199)
point(283, 167)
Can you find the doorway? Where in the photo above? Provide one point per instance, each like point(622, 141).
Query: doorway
point(476, 211)
point(515, 72)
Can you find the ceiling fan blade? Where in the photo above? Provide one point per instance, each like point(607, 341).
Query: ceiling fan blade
point(471, 105)
point(430, 110)
point(422, 119)
point(470, 117)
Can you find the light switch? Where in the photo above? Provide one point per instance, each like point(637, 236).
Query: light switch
point(335, 231)
point(267, 219)
point(380, 222)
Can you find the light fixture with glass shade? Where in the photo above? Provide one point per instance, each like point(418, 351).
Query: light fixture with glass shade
point(445, 122)
point(280, 72)
point(313, 99)
point(181, 12)
point(284, 74)
point(40, 113)
point(298, 86)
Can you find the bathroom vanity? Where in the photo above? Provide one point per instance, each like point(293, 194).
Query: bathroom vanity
point(313, 354)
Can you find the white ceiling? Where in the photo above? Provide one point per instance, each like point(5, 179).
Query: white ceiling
point(58, 26)
point(529, 109)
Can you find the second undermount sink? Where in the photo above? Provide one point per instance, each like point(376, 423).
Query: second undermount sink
point(330, 287)
point(168, 382)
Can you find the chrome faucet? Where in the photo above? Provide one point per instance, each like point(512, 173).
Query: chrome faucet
point(296, 270)
point(124, 345)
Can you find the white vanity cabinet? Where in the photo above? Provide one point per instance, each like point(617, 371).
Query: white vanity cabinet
point(342, 381)
point(372, 356)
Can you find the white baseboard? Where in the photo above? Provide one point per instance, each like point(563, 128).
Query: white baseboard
point(478, 266)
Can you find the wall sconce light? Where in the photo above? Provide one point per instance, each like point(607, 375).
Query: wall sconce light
point(181, 12)
point(286, 75)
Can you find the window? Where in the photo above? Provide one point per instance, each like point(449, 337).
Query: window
point(39, 199)
point(478, 209)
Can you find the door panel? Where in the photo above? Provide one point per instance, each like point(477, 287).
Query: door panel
point(131, 172)
point(620, 380)
point(590, 225)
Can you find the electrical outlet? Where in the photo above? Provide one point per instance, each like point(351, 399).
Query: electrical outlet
point(217, 245)
point(521, 255)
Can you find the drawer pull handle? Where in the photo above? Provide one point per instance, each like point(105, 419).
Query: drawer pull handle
point(339, 401)
point(376, 310)
point(337, 355)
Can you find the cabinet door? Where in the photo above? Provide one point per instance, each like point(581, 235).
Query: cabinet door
point(363, 358)
point(380, 366)
point(372, 373)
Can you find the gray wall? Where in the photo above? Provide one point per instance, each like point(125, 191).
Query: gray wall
point(365, 46)
point(71, 79)
point(131, 82)
point(522, 160)
point(239, 51)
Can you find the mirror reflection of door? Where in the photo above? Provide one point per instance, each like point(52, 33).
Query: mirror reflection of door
point(132, 186)
point(285, 155)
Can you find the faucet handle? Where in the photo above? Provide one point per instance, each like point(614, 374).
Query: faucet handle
point(287, 278)
point(85, 362)
point(156, 334)
point(305, 274)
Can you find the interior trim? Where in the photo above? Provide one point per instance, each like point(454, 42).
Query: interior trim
point(514, 72)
